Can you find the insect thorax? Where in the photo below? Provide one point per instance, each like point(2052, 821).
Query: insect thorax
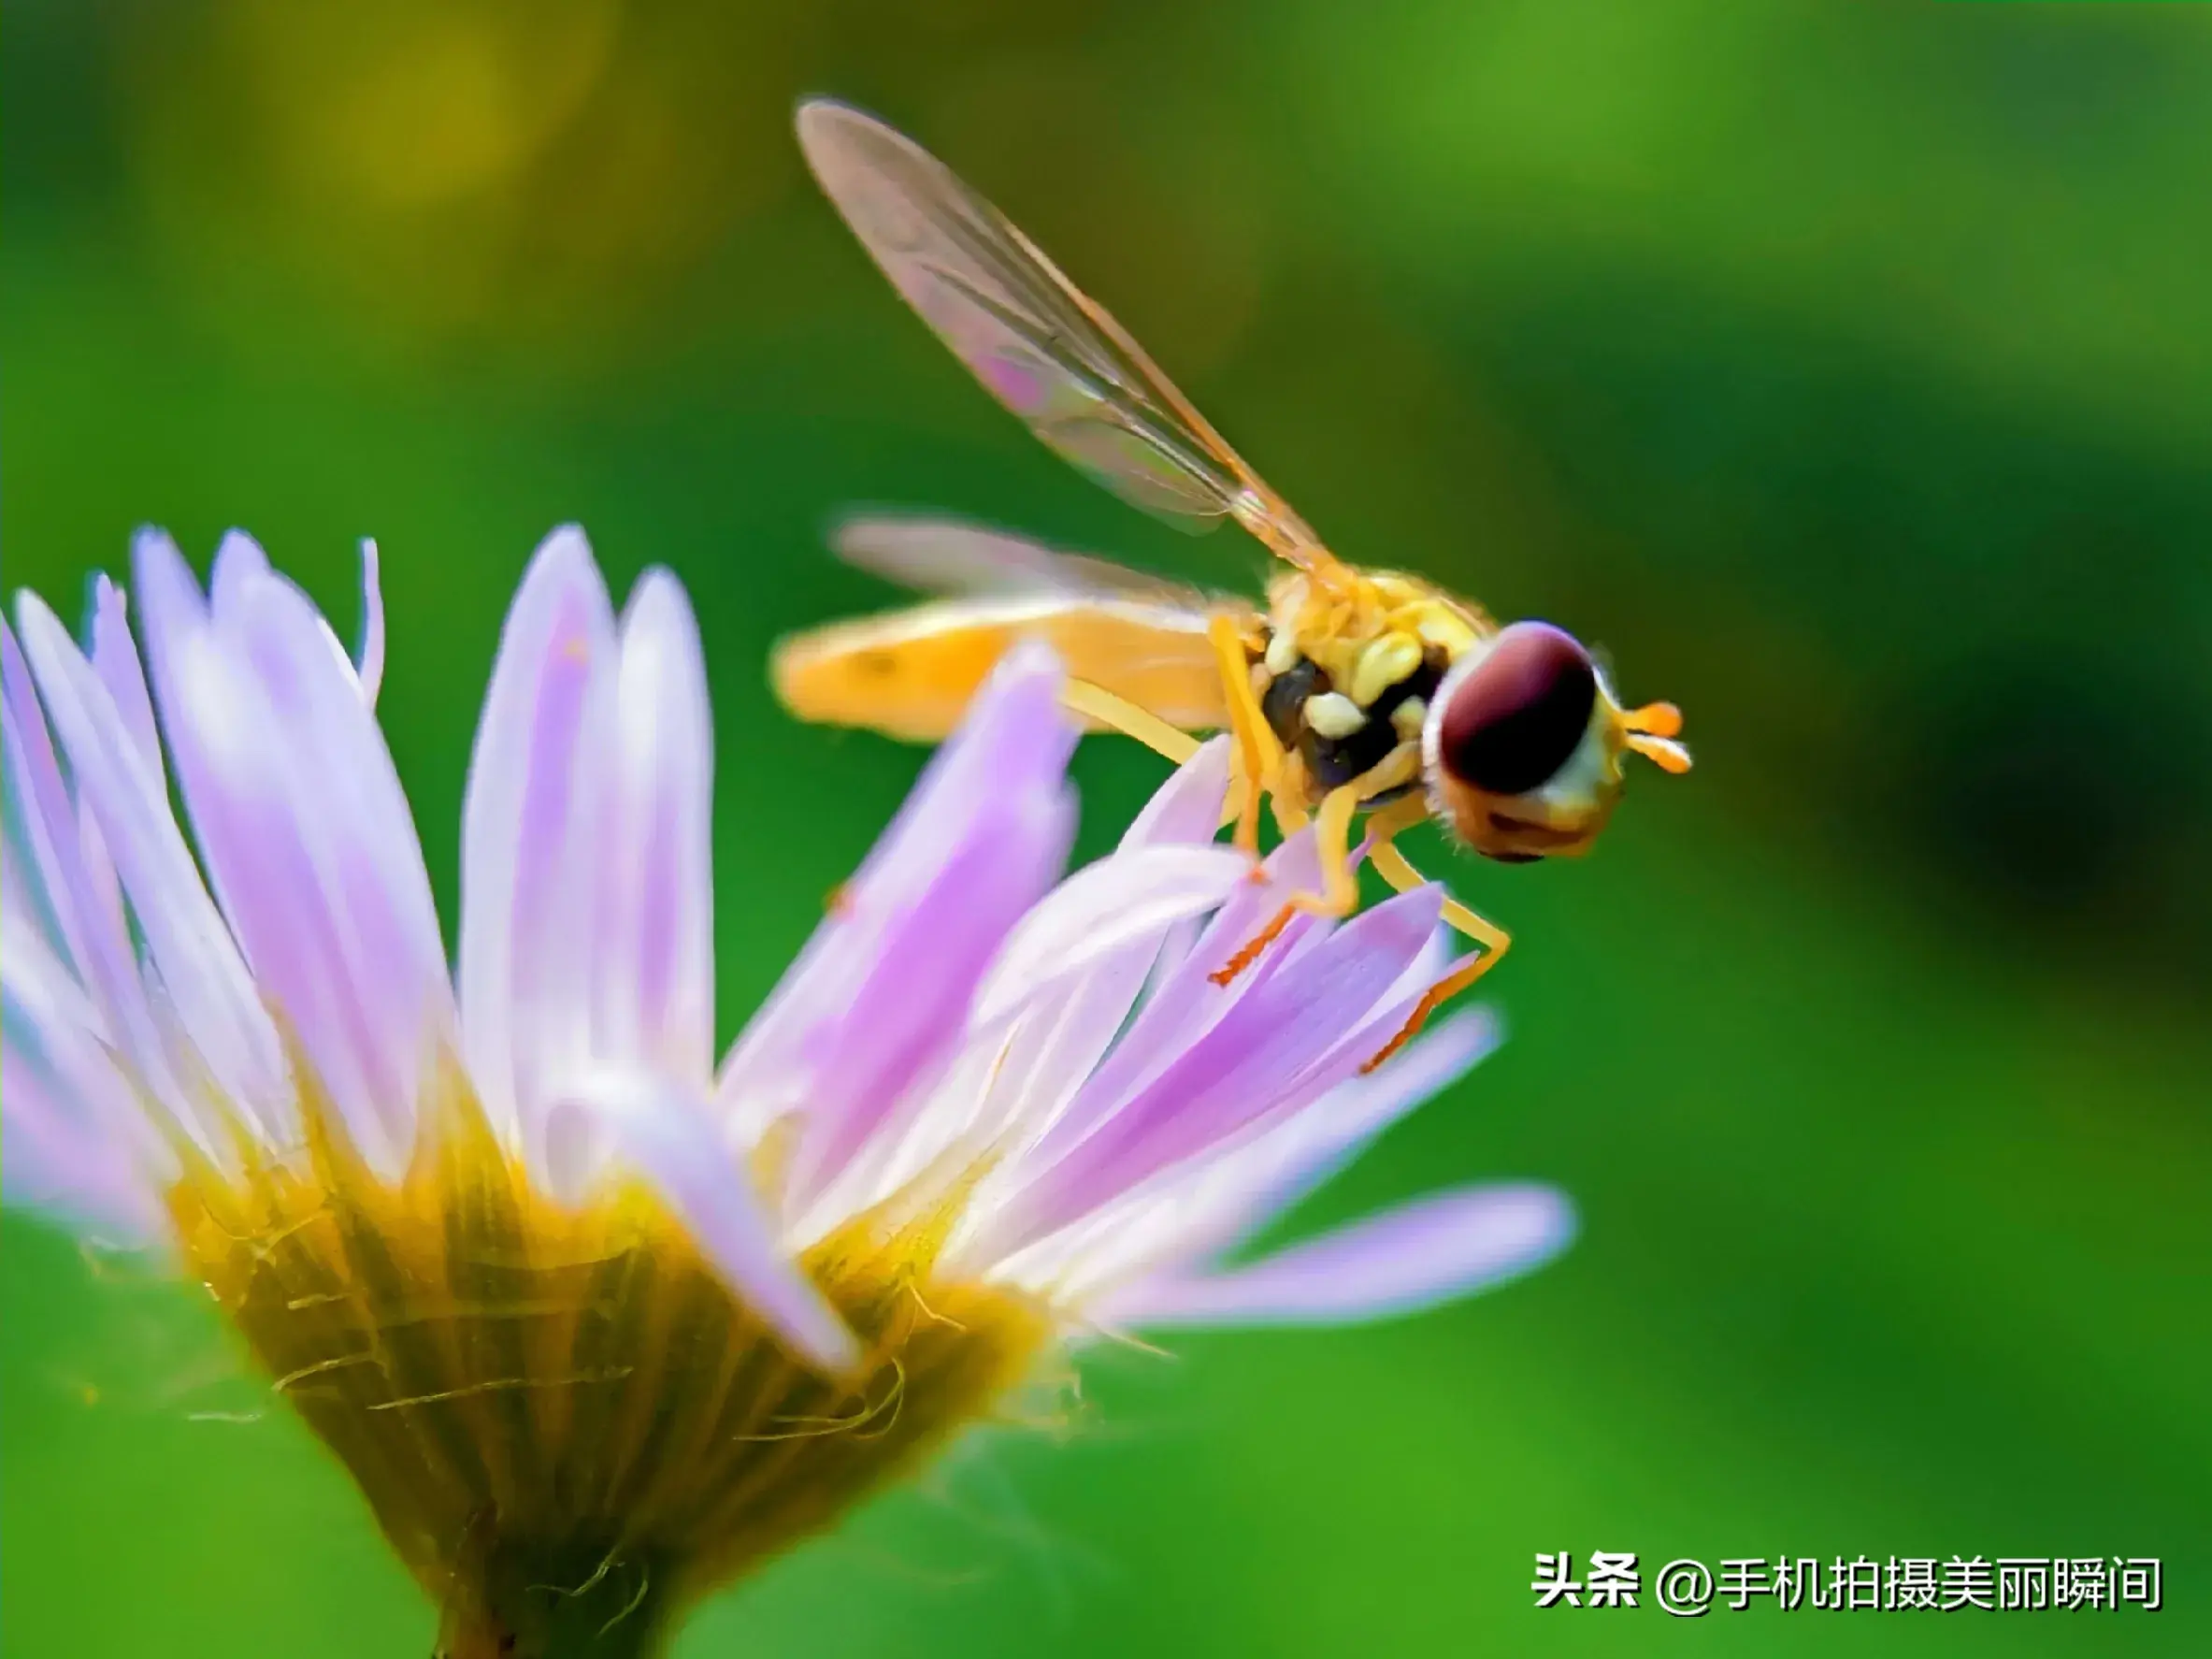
point(1345, 679)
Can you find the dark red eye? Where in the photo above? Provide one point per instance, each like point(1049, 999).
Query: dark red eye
point(1517, 716)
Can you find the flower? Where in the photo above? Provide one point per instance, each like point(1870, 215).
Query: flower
point(594, 1322)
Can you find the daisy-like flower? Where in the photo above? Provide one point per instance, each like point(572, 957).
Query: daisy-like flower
point(596, 1322)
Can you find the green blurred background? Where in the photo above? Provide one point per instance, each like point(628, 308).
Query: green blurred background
point(1846, 370)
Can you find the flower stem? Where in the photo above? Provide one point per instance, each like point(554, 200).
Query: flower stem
point(568, 1602)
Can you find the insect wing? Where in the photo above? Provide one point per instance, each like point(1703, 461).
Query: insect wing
point(951, 556)
point(1038, 344)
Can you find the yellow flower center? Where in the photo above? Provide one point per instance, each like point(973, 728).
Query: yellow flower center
point(567, 1425)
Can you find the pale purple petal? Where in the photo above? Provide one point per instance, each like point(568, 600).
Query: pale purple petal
point(306, 833)
point(1213, 1201)
point(56, 1158)
point(666, 1135)
point(191, 951)
point(21, 894)
point(189, 946)
point(1187, 809)
point(369, 669)
point(346, 789)
point(240, 565)
point(1186, 1013)
point(1100, 911)
point(1184, 1002)
point(654, 962)
point(1015, 733)
point(1268, 1054)
point(264, 867)
point(1066, 1022)
point(587, 890)
point(1004, 769)
point(1402, 1261)
point(78, 1132)
point(239, 559)
point(528, 827)
point(1180, 1002)
point(115, 660)
point(905, 1017)
point(1301, 1154)
point(42, 821)
point(1066, 982)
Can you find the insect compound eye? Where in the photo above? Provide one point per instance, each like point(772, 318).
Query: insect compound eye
point(1517, 716)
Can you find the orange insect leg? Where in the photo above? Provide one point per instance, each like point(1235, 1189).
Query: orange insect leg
point(1108, 709)
point(1249, 952)
point(1291, 789)
point(1340, 894)
point(1332, 850)
point(1495, 941)
point(1259, 755)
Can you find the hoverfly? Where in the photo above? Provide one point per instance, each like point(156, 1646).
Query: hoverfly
point(1353, 692)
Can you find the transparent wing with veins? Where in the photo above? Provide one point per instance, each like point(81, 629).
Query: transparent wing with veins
point(1040, 346)
point(937, 553)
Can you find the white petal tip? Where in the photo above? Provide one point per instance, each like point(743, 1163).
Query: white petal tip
point(565, 545)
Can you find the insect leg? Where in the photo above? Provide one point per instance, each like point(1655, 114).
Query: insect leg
point(1332, 849)
point(1396, 870)
point(1392, 866)
point(1340, 893)
point(1435, 997)
point(1258, 753)
point(1127, 717)
point(1291, 790)
point(1285, 798)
